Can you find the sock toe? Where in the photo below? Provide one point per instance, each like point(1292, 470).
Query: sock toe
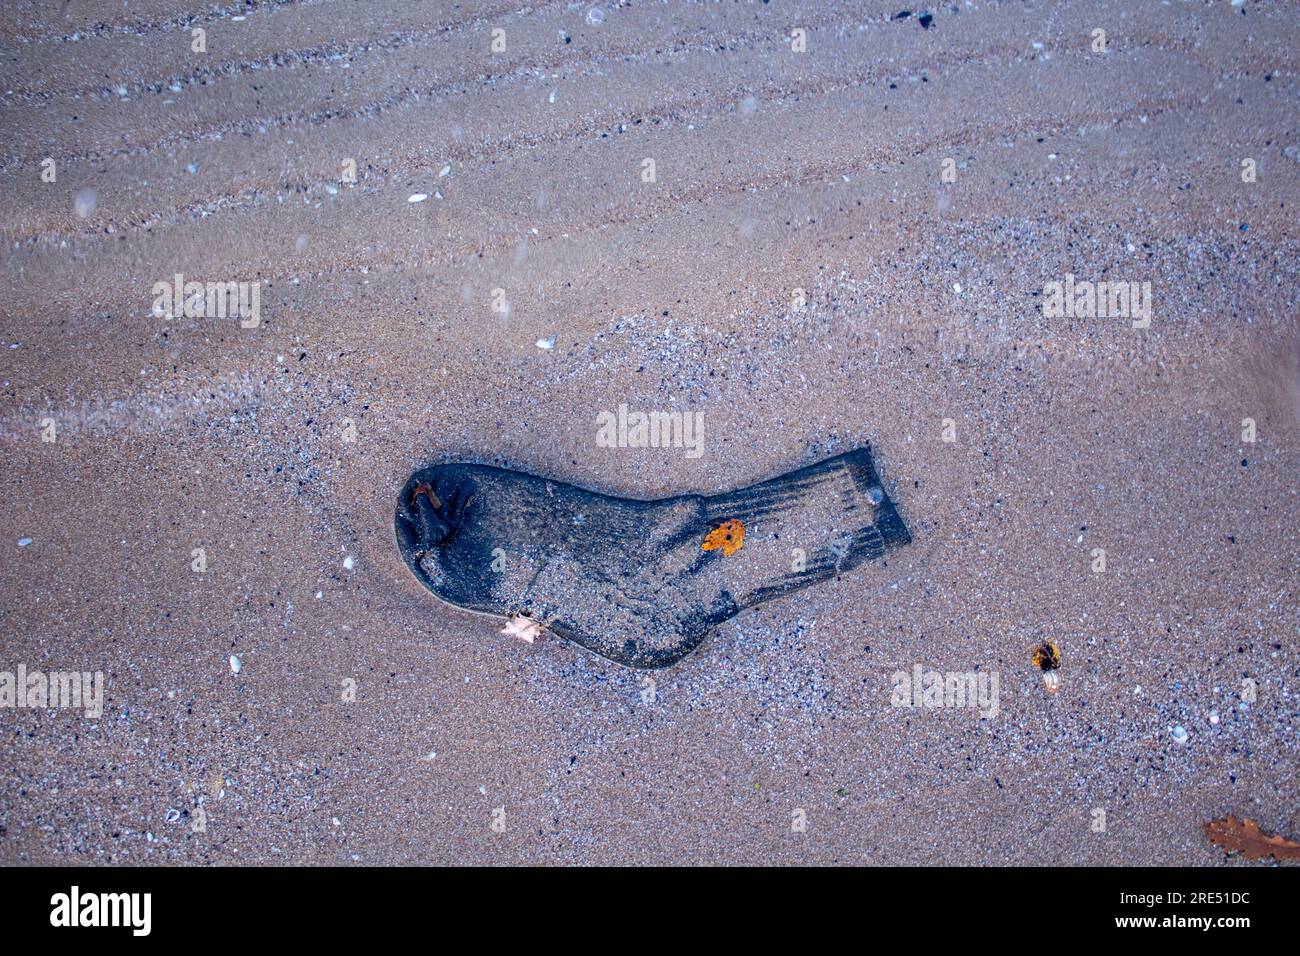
point(890, 525)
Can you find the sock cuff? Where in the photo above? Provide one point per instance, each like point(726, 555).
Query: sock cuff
point(765, 496)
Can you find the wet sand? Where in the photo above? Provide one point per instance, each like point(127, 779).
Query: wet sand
point(279, 449)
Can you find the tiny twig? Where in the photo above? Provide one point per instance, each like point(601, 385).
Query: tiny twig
point(426, 489)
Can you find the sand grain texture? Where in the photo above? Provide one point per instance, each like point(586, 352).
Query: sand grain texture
point(775, 170)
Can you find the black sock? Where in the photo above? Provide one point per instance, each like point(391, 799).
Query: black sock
point(628, 579)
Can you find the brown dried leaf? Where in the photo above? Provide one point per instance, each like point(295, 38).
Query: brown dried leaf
point(1245, 837)
point(1047, 656)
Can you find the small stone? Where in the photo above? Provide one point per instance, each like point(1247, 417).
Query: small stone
point(235, 664)
point(348, 563)
point(1179, 734)
point(24, 542)
point(417, 197)
point(546, 343)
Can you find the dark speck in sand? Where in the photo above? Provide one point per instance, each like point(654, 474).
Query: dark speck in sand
point(925, 20)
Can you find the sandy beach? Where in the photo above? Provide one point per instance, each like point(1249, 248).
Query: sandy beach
point(475, 227)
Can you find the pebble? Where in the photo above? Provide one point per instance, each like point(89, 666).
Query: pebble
point(348, 563)
point(1179, 734)
point(235, 664)
point(24, 542)
point(417, 197)
point(546, 343)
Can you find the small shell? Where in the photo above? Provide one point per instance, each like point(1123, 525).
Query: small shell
point(523, 627)
point(1052, 681)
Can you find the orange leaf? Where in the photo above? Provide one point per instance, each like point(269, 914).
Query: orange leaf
point(1245, 837)
point(729, 536)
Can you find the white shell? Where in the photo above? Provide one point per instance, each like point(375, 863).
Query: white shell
point(523, 627)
